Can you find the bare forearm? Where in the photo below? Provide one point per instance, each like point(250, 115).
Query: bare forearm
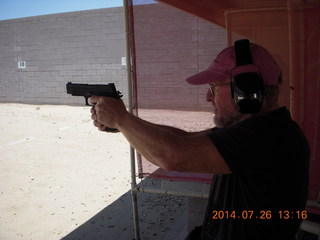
point(181, 132)
point(167, 147)
point(150, 140)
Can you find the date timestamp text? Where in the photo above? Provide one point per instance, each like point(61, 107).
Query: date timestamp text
point(262, 214)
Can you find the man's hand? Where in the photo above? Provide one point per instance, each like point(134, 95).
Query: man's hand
point(106, 112)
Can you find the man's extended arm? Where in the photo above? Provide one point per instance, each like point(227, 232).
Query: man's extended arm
point(169, 148)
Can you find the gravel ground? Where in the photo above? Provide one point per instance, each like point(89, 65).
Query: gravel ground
point(63, 179)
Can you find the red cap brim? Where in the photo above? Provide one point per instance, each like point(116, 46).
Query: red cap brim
point(205, 77)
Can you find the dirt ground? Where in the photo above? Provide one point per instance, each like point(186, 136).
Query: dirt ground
point(63, 179)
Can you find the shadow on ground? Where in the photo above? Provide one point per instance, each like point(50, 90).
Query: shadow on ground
point(158, 213)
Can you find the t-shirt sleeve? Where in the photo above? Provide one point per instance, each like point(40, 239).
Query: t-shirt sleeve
point(243, 149)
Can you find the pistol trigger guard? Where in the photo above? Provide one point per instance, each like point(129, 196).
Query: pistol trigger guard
point(119, 94)
point(87, 102)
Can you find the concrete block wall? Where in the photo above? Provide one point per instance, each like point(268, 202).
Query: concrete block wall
point(88, 46)
point(83, 47)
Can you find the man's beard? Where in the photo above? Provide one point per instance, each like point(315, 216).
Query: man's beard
point(223, 121)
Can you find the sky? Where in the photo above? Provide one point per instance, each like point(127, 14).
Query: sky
point(10, 9)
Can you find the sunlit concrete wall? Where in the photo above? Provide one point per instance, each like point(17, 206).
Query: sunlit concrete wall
point(85, 46)
point(89, 47)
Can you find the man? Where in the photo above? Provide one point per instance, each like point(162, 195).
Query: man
point(258, 154)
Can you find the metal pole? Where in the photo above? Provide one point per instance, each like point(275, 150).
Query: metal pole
point(134, 196)
point(134, 192)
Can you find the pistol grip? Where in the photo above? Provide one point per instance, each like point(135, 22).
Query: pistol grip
point(111, 130)
point(107, 129)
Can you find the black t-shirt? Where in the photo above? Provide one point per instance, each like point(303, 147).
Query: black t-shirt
point(266, 193)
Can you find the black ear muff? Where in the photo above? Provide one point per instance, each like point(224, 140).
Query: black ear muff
point(247, 87)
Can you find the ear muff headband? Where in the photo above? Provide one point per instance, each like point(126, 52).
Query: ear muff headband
point(247, 87)
point(242, 52)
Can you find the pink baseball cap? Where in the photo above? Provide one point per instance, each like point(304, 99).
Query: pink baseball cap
point(225, 66)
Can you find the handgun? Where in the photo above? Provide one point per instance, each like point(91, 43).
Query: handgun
point(88, 90)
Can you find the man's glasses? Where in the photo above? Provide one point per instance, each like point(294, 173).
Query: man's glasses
point(213, 86)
